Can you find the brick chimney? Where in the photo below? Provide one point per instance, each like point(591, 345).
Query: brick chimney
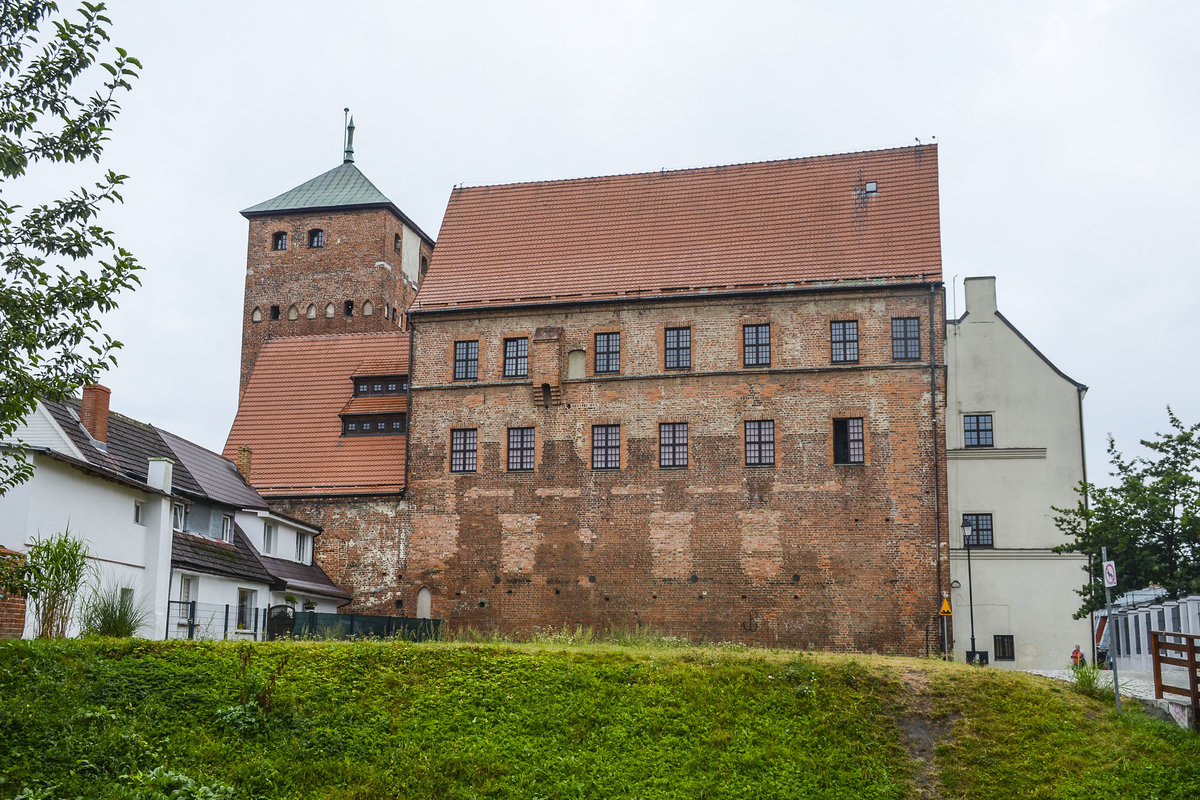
point(93, 412)
point(243, 461)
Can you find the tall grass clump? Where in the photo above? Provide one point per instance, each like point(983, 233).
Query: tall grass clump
point(114, 611)
point(57, 569)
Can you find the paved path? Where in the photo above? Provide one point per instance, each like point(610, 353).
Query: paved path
point(1133, 684)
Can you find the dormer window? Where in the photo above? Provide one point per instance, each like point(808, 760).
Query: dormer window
point(384, 385)
point(316, 238)
point(178, 517)
point(375, 425)
point(279, 241)
point(227, 528)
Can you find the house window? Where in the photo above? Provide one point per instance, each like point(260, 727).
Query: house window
point(316, 238)
point(516, 358)
point(375, 425)
point(906, 339)
point(466, 361)
point(672, 445)
point(1003, 647)
point(226, 528)
point(269, 539)
point(247, 599)
point(848, 441)
point(760, 443)
point(520, 449)
point(139, 511)
point(274, 313)
point(462, 450)
point(977, 430)
point(608, 352)
point(678, 348)
point(843, 341)
point(981, 530)
point(178, 516)
point(279, 241)
point(187, 588)
point(756, 345)
point(606, 447)
point(303, 548)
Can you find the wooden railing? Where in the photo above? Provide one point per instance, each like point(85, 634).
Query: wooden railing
point(1184, 652)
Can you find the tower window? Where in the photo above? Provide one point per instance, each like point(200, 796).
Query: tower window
point(293, 313)
point(368, 309)
point(348, 309)
point(396, 243)
point(256, 315)
point(279, 241)
point(424, 264)
point(316, 238)
point(311, 313)
point(330, 310)
point(274, 313)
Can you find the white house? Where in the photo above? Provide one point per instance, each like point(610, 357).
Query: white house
point(164, 517)
point(1014, 447)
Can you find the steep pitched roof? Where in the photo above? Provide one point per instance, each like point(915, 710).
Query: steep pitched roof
point(288, 416)
point(236, 560)
point(342, 187)
point(216, 475)
point(801, 222)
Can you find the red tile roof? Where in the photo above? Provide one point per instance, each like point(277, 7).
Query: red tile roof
point(806, 221)
point(288, 416)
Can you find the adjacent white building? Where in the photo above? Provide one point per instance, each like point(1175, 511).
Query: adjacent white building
point(1014, 447)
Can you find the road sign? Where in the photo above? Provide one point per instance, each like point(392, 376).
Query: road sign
point(1110, 573)
point(945, 612)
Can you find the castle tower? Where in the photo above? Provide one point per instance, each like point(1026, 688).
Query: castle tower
point(333, 255)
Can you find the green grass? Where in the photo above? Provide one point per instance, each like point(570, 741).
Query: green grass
point(562, 717)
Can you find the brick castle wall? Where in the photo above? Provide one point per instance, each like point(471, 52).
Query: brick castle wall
point(802, 554)
point(358, 263)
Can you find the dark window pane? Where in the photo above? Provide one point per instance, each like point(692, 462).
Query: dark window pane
point(981, 530)
point(1004, 648)
point(608, 352)
point(843, 339)
point(520, 449)
point(678, 352)
point(516, 358)
point(848, 441)
point(606, 447)
point(756, 345)
point(760, 443)
point(673, 444)
point(466, 361)
point(977, 430)
point(462, 450)
point(906, 339)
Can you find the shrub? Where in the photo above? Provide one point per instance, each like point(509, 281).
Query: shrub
point(56, 570)
point(113, 611)
point(1086, 679)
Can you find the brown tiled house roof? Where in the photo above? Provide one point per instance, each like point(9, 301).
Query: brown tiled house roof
point(800, 222)
point(289, 417)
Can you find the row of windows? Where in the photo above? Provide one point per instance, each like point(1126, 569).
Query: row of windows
point(375, 425)
point(677, 348)
point(383, 385)
point(316, 238)
point(293, 313)
point(848, 446)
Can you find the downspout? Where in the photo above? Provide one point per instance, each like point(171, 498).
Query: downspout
point(1079, 393)
point(937, 477)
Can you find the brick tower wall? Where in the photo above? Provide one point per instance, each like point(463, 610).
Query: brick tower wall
point(802, 554)
point(357, 263)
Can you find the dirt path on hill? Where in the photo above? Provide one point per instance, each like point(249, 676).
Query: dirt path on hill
point(922, 732)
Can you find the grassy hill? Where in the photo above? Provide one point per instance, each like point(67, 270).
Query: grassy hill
point(135, 719)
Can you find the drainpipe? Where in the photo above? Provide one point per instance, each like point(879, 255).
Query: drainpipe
point(937, 477)
point(1080, 391)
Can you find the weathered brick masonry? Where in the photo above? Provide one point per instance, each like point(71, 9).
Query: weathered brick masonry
point(12, 609)
point(804, 553)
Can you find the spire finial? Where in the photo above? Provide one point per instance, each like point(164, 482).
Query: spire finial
point(348, 155)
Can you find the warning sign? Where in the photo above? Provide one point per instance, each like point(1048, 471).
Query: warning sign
point(1110, 573)
point(945, 612)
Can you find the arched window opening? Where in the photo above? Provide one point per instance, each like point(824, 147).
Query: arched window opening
point(293, 313)
point(279, 241)
point(546, 395)
point(424, 604)
point(330, 310)
point(311, 313)
point(274, 313)
point(348, 310)
point(368, 309)
point(316, 238)
point(256, 315)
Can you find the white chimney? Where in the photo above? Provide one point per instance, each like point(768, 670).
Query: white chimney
point(158, 474)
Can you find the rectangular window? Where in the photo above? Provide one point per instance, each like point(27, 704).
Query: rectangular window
point(848, 441)
point(466, 361)
point(673, 445)
point(608, 352)
point(375, 425)
point(520, 449)
point(906, 339)
point(280, 241)
point(187, 588)
point(462, 450)
point(606, 447)
point(843, 342)
point(139, 510)
point(269, 539)
point(760, 443)
point(756, 345)
point(384, 385)
point(247, 598)
point(678, 352)
point(977, 430)
point(1004, 649)
point(226, 528)
point(178, 516)
point(516, 358)
point(303, 548)
point(981, 530)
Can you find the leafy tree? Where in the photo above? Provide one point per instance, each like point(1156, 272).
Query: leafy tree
point(1149, 520)
point(59, 269)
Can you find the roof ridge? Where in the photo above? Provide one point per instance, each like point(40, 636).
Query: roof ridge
point(710, 168)
point(329, 336)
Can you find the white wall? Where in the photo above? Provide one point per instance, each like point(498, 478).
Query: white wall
point(1020, 586)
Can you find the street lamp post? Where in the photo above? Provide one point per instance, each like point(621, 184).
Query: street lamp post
point(966, 529)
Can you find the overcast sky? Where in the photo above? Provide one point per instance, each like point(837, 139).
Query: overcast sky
point(1068, 147)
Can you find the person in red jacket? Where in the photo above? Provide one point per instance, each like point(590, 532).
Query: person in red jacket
point(1077, 658)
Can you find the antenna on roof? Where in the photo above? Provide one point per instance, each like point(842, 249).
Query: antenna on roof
point(348, 139)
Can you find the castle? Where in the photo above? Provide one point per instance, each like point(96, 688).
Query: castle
point(709, 401)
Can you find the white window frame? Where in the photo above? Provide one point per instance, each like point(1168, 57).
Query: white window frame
point(227, 528)
point(139, 512)
point(269, 539)
point(179, 517)
point(187, 588)
point(251, 595)
point(303, 548)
